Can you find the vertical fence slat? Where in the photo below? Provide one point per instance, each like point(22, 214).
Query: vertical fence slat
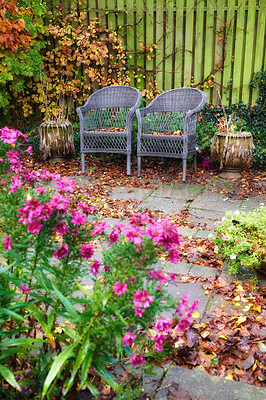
point(260, 45)
point(159, 41)
point(239, 51)
point(140, 41)
point(218, 42)
point(189, 22)
point(91, 10)
point(199, 44)
point(209, 44)
point(169, 40)
point(149, 20)
point(130, 38)
point(229, 45)
point(249, 51)
point(179, 44)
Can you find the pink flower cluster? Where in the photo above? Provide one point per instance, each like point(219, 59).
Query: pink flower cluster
point(142, 299)
point(185, 312)
point(164, 327)
point(119, 288)
point(11, 136)
point(164, 233)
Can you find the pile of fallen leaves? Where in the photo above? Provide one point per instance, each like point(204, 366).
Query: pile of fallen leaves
point(229, 341)
point(153, 172)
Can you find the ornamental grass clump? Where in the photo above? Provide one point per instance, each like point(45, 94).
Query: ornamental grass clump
point(241, 238)
point(58, 332)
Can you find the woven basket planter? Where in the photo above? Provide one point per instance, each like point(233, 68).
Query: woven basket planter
point(233, 150)
point(56, 140)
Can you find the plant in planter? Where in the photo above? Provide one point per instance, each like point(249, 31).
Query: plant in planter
point(241, 238)
point(231, 147)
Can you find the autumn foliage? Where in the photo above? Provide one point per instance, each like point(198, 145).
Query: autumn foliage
point(13, 34)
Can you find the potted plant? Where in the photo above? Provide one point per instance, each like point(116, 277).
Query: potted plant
point(56, 136)
point(241, 238)
point(231, 147)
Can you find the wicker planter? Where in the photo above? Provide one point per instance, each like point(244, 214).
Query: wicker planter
point(233, 151)
point(56, 140)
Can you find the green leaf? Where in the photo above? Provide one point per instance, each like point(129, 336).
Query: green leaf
point(79, 360)
point(69, 307)
point(92, 388)
point(21, 342)
point(9, 377)
point(8, 312)
point(119, 341)
point(86, 364)
point(10, 352)
point(57, 366)
point(109, 379)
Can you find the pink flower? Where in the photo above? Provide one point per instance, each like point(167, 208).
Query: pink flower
point(46, 175)
point(138, 311)
point(78, 218)
point(139, 219)
point(75, 232)
point(183, 324)
point(114, 236)
point(163, 278)
point(24, 289)
point(86, 251)
point(172, 276)
point(65, 184)
point(170, 235)
point(192, 308)
point(45, 212)
point(32, 209)
point(128, 339)
point(60, 203)
point(99, 228)
point(15, 185)
point(85, 208)
point(13, 157)
point(174, 254)
point(134, 235)
point(155, 231)
point(7, 242)
point(9, 135)
point(62, 251)
point(95, 267)
point(61, 228)
point(29, 150)
point(163, 325)
point(35, 226)
point(159, 340)
point(120, 288)
point(41, 189)
point(137, 359)
point(142, 298)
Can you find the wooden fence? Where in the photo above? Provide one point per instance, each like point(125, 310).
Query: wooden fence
point(205, 43)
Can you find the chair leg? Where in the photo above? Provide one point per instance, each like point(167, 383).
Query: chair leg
point(184, 170)
point(128, 164)
point(104, 158)
point(195, 162)
point(139, 165)
point(82, 155)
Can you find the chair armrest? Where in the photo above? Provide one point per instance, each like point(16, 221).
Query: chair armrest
point(132, 111)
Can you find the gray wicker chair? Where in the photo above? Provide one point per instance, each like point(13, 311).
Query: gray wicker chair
point(106, 122)
point(167, 126)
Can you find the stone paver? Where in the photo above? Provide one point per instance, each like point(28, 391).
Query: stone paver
point(130, 193)
point(215, 201)
point(166, 205)
point(178, 191)
point(207, 387)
